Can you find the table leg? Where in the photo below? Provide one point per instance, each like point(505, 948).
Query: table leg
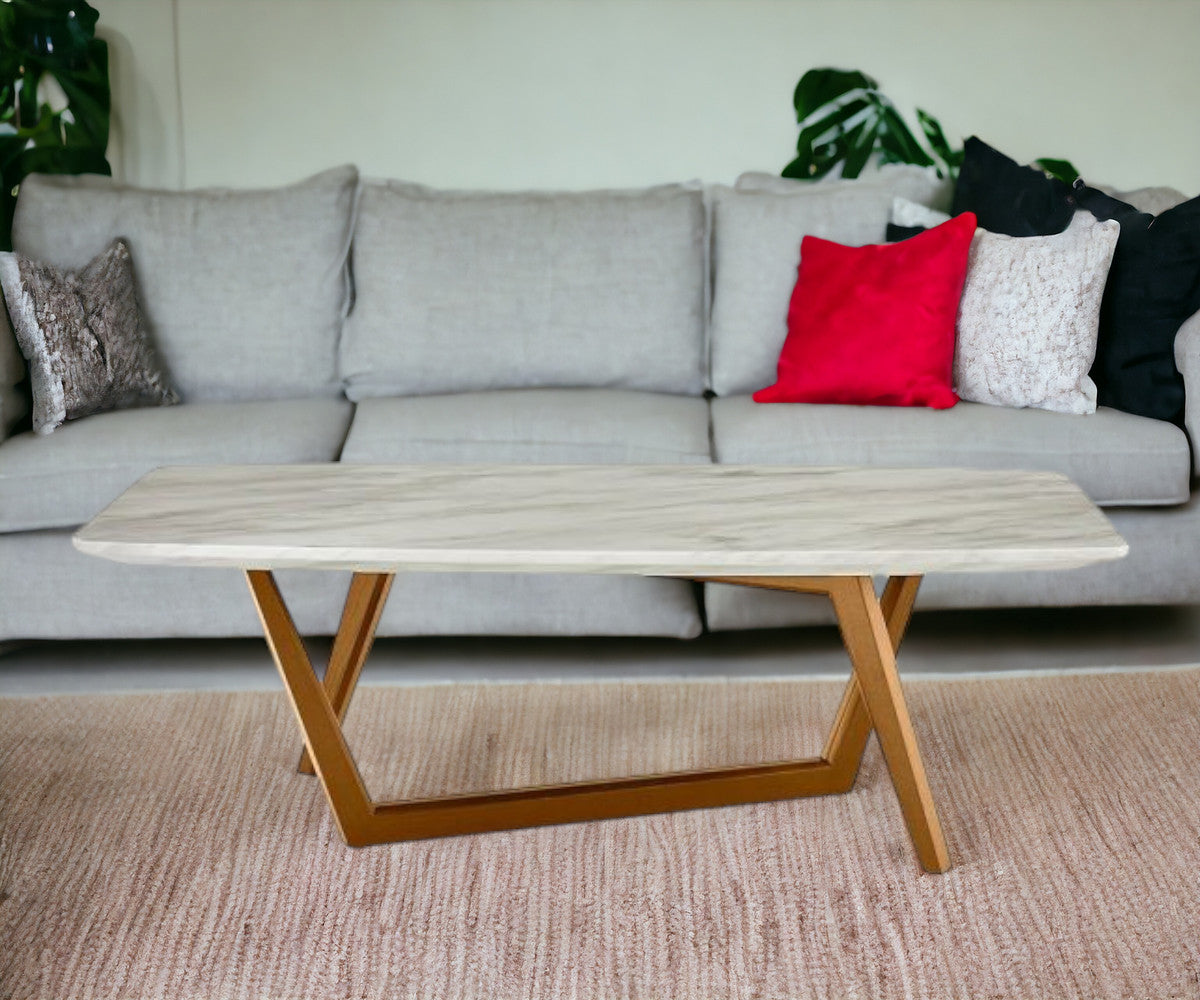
point(866, 636)
point(872, 700)
point(852, 726)
point(364, 604)
point(872, 630)
point(323, 738)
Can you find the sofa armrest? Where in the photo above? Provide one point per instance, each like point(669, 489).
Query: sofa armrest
point(1187, 360)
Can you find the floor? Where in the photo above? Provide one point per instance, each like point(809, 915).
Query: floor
point(944, 643)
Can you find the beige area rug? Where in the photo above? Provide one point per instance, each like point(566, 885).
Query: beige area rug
point(164, 846)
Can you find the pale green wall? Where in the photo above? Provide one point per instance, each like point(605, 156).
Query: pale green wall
point(583, 93)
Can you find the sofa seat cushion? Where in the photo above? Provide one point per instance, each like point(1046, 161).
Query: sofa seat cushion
point(1115, 457)
point(243, 292)
point(64, 479)
point(531, 425)
point(459, 291)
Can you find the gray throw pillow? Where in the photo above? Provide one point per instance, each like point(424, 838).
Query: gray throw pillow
point(83, 336)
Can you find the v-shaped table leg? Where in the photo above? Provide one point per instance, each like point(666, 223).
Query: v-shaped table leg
point(872, 629)
point(869, 641)
point(852, 727)
point(356, 632)
point(319, 722)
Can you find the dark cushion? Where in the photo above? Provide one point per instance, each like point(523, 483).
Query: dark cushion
point(1153, 284)
point(1153, 287)
point(1007, 197)
point(897, 234)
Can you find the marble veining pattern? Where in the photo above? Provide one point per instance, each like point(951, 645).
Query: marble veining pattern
point(650, 520)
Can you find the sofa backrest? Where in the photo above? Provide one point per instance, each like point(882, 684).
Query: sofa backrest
point(757, 227)
point(1154, 200)
point(460, 291)
point(244, 292)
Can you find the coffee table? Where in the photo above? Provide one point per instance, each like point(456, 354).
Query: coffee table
point(812, 530)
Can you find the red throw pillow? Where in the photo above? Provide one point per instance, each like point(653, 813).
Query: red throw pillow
point(875, 324)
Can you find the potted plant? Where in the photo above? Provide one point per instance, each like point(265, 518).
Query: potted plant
point(846, 120)
point(54, 95)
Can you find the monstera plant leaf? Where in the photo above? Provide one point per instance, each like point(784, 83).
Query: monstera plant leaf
point(951, 159)
point(845, 120)
point(54, 95)
point(1064, 170)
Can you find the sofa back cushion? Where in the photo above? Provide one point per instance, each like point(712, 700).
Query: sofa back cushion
point(1152, 200)
point(463, 291)
point(243, 292)
point(756, 252)
point(938, 190)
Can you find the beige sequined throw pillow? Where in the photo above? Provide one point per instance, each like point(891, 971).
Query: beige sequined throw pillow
point(1029, 314)
point(83, 336)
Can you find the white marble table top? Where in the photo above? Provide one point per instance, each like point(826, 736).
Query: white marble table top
point(679, 520)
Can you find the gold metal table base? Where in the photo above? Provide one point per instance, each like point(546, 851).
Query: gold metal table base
point(871, 629)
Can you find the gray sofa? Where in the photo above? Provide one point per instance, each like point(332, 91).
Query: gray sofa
point(351, 320)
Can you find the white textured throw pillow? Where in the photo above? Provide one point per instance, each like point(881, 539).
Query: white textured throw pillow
point(1030, 313)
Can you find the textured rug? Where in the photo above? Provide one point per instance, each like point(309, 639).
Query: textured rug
point(164, 846)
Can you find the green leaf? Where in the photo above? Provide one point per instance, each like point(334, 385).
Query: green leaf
point(27, 107)
point(797, 170)
point(11, 147)
point(824, 143)
point(844, 119)
point(819, 87)
point(858, 146)
point(88, 94)
point(951, 159)
point(934, 135)
point(8, 207)
point(56, 30)
point(839, 119)
point(1064, 170)
point(897, 142)
point(811, 164)
point(63, 160)
point(56, 37)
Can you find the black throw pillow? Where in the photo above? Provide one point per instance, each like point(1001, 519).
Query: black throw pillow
point(897, 234)
point(1007, 197)
point(1153, 287)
